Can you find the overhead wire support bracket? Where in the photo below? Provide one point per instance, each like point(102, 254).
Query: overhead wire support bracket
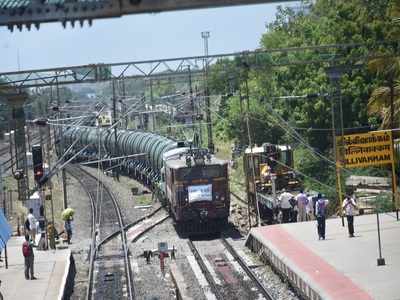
point(156, 68)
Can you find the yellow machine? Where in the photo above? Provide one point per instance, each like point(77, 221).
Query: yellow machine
point(268, 163)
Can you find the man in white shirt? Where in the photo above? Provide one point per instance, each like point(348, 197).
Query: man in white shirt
point(32, 225)
point(302, 202)
point(349, 205)
point(285, 205)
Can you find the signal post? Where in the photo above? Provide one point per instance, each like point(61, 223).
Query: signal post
point(16, 100)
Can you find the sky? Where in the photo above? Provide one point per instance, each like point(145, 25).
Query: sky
point(136, 37)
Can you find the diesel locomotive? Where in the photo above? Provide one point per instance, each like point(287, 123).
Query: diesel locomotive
point(190, 182)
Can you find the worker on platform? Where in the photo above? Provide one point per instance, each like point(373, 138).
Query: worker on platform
point(302, 202)
point(349, 205)
point(51, 234)
point(68, 229)
point(27, 252)
point(320, 210)
point(31, 220)
point(286, 207)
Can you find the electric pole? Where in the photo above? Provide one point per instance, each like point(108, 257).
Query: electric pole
point(61, 147)
point(153, 116)
point(123, 104)
point(114, 98)
point(205, 35)
point(193, 126)
point(334, 75)
point(253, 172)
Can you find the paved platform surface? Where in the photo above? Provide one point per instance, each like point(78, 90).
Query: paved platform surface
point(50, 268)
point(338, 267)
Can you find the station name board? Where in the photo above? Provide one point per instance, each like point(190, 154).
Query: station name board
point(367, 149)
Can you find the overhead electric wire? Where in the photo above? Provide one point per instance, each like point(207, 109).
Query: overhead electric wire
point(295, 136)
point(299, 138)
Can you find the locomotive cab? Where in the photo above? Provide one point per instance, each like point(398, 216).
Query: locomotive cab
point(197, 190)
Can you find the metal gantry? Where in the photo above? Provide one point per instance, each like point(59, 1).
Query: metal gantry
point(28, 13)
point(171, 67)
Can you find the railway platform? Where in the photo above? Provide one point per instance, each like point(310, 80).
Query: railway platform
point(338, 267)
point(51, 267)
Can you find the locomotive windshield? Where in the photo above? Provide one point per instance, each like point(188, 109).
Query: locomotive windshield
point(199, 172)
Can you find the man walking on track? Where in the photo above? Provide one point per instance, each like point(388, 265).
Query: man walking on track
point(27, 251)
point(320, 208)
point(302, 202)
point(349, 204)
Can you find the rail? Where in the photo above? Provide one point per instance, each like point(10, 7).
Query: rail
point(126, 227)
point(128, 271)
point(205, 271)
point(93, 243)
point(264, 291)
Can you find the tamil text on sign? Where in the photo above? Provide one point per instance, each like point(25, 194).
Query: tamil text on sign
point(367, 149)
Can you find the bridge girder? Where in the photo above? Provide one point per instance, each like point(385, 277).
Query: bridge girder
point(34, 12)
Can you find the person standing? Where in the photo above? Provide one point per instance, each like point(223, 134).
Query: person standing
point(68, 229)
point(320, 210)
point(302, 202)
point(51, 234)
point(310, 207)
point(27, 252)
point(349, 204)
point(286, 207)
point(32, 225)
point(42, 245)
point(293, 210)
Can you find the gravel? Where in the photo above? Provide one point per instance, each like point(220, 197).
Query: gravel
point(122, 191)
point(150, 283)
point(278, 288)
point(81, 239)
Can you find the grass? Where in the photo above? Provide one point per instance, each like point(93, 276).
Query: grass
point(143, 199)
point(236, 175)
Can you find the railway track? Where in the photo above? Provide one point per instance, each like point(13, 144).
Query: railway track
point(228, 275)
point(4, 150)
point(110, 273)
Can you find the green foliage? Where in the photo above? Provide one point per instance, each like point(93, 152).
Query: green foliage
point(383, 202)
point(366, 22)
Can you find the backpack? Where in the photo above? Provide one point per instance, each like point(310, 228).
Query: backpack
point(27, 224)
point(292, 202)
point(321, 208)
point(26, 249)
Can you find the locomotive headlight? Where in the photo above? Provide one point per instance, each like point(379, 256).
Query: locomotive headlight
point(222, 198)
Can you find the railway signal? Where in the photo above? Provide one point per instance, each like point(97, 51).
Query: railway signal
point(37, 159)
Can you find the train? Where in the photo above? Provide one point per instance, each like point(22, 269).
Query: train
point(190, 182)
point(268, 169)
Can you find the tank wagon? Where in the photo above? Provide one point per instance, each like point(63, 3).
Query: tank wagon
point(191, 183)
